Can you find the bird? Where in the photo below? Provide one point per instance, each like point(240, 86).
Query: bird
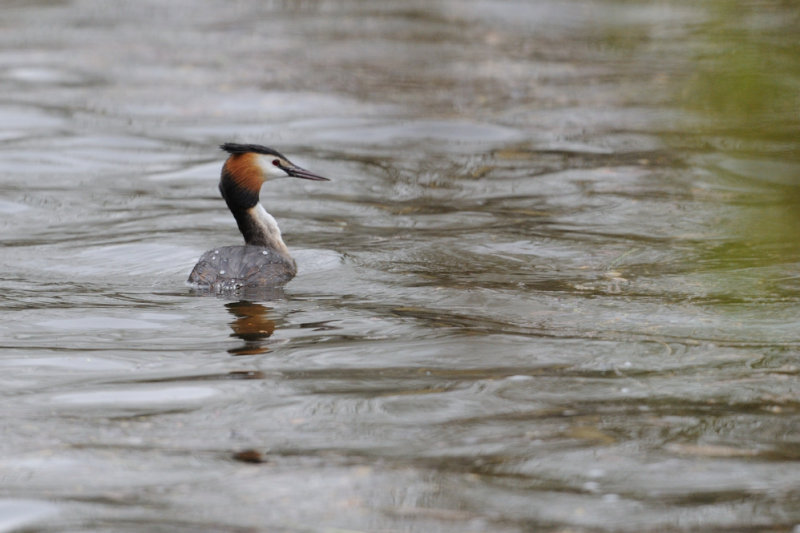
point(264, 260)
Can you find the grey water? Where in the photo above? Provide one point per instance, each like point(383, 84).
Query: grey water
point(553, 285)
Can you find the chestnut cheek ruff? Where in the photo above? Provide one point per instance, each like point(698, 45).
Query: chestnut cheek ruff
point(243, 170)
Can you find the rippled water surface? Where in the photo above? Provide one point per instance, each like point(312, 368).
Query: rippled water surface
point(553, 284)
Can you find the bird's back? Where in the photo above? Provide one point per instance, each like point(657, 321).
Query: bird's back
point(232, 267)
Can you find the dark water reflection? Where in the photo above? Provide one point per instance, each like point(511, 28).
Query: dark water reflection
point(252, 325)
point(553, 285)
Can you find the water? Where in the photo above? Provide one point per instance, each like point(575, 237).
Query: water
point(553, 285)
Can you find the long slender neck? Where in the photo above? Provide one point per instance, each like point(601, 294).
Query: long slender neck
point(260, 229)
point(257, 226)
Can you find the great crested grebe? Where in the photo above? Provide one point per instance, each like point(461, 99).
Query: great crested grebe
point(264, 260)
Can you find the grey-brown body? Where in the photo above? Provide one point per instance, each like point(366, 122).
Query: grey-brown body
point(232, 267)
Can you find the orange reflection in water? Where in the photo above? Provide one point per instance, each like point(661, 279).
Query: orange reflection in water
point(252, 325)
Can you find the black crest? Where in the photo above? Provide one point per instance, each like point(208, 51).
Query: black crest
point(234, 148)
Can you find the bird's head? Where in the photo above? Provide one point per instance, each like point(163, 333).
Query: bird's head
point(250, 165)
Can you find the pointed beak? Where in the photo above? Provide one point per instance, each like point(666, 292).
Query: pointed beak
point(298, 172)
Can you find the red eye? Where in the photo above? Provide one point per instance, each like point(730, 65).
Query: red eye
point(276, 162)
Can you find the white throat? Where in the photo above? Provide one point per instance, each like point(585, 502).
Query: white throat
point(267, 230)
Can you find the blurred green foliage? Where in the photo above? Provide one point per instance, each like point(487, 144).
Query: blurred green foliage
point(743, 96)
point(746, 79)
